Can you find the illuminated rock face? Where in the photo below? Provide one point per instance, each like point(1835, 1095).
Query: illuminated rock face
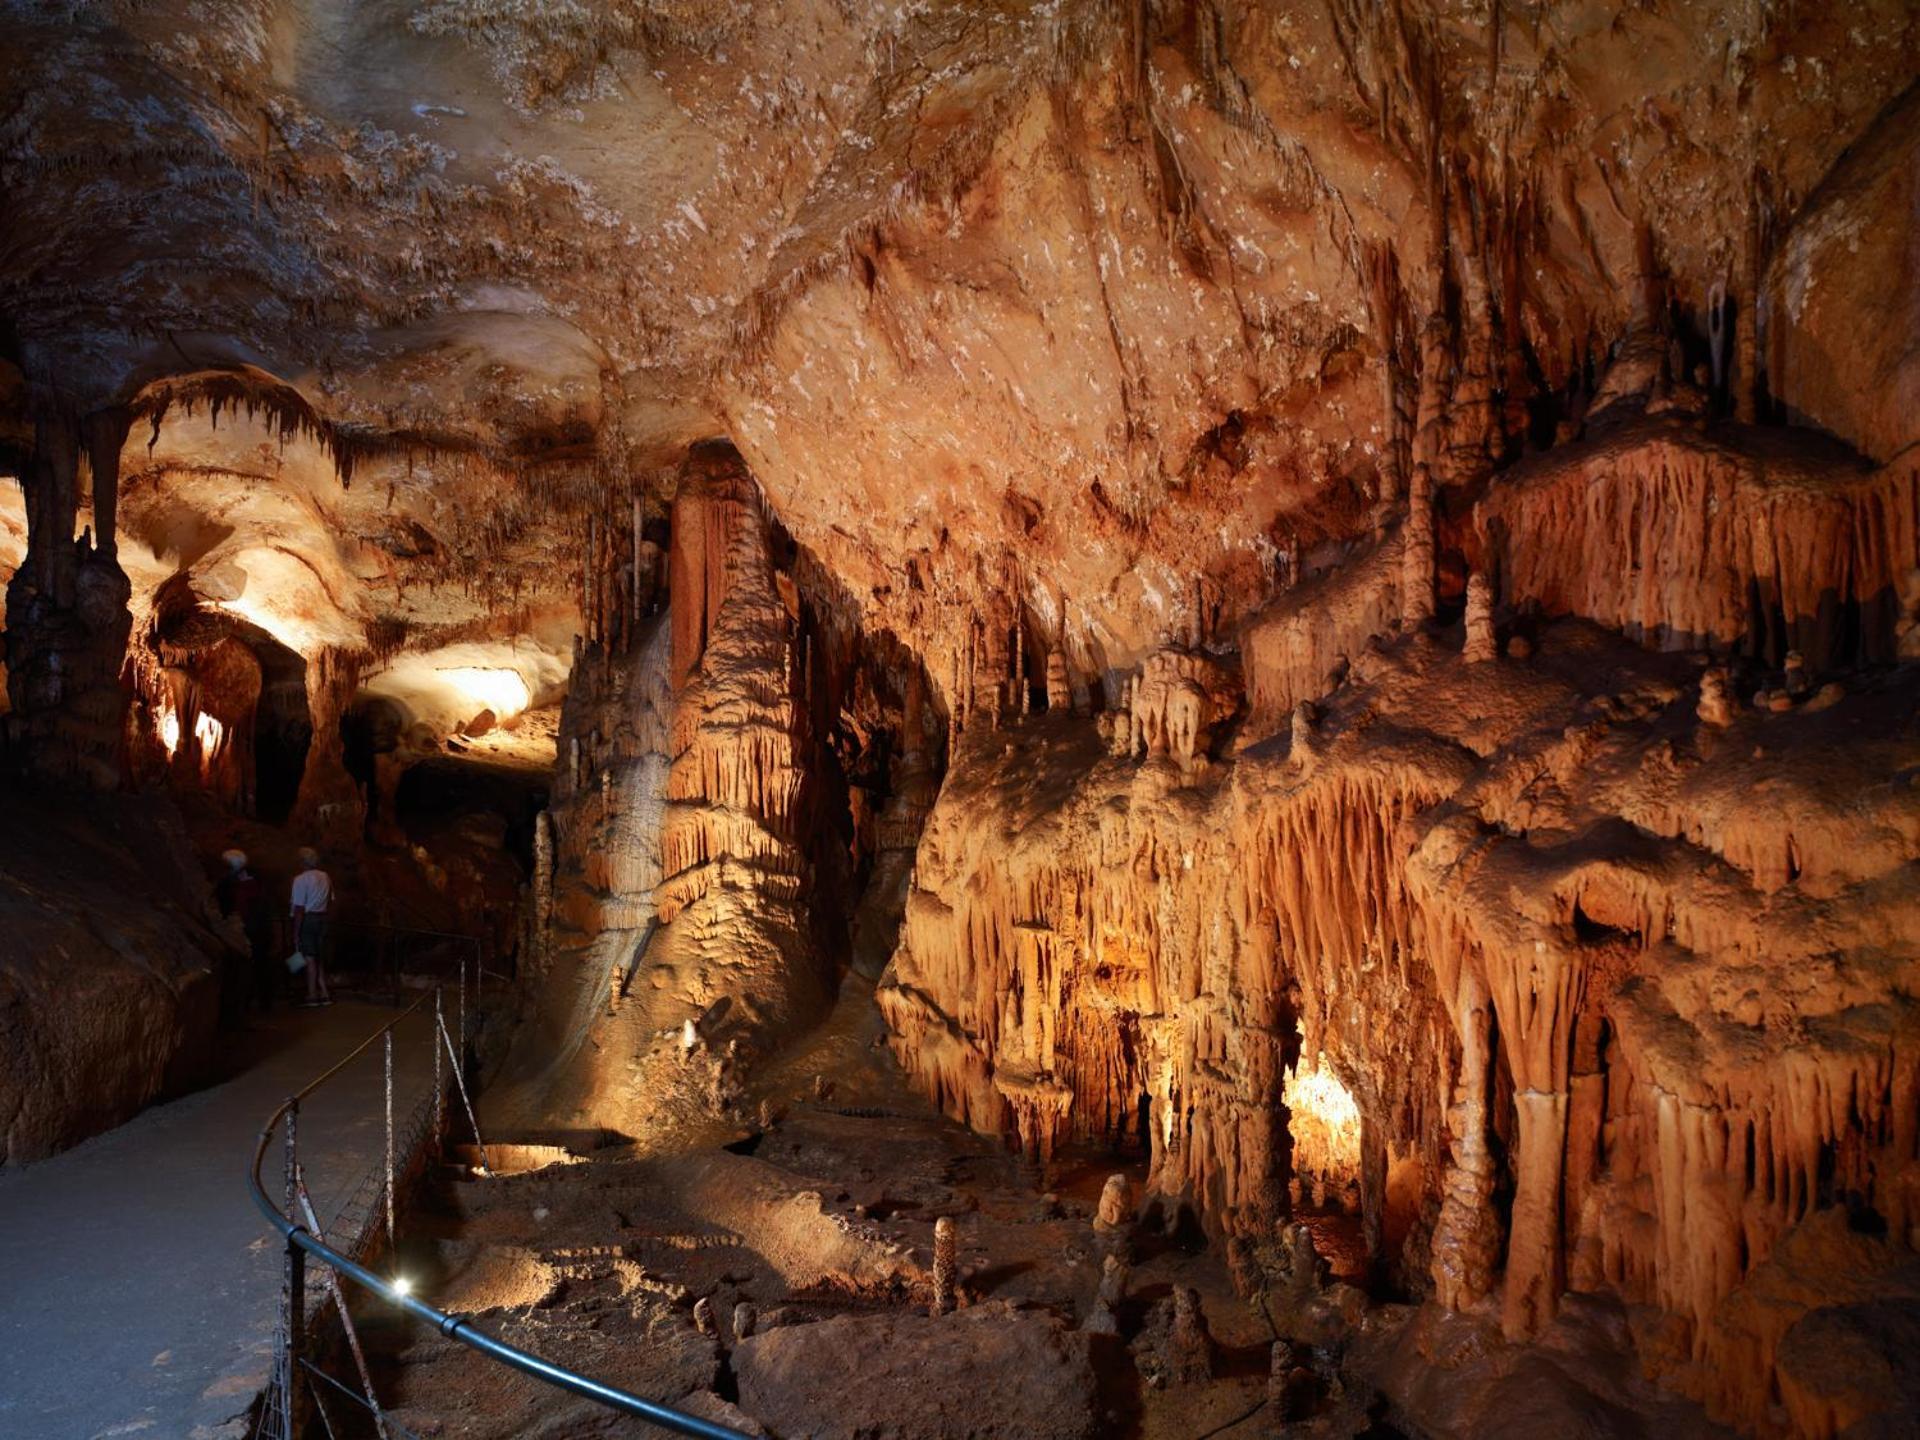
point(1476, 936)
point(678, 946)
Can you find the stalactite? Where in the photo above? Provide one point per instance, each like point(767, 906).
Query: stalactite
point(1687, 541)
point(1160, 961)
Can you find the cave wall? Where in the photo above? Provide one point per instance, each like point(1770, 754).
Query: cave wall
point(1581, 925)
point(109, 979)
point(1194, 316)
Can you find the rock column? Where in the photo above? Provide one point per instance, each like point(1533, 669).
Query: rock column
point(68, 614)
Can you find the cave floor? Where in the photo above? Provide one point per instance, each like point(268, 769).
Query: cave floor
point(818, 1214)
point(142, 1286)
point(816, 1208)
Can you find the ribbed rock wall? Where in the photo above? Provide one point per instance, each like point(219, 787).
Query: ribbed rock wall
point(1758, 542)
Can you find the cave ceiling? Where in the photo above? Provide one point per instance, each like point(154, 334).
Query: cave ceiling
point(1106, 304)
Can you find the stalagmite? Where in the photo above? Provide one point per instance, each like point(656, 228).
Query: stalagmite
point(1103, 1318)
point(1115, 1211)
point(1290, 1384)
point(1301, 733)
point(945, 1265)
point(1466, 1241)
point(1416, 582)
point(1021, 691)
point(1481, 643)
point(1189, 1347)
point(1716, 705)
point(1059, 691)
point(1795, 675)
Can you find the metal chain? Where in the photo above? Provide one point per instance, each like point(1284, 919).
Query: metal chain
point(458, 1080)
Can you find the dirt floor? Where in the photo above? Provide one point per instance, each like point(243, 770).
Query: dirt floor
point(778, 1276)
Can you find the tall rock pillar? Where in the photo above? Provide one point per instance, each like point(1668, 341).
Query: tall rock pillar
point(68, 614)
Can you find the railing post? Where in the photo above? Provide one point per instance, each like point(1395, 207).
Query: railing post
point(467, 1101)
point(392, 1239)
point(294, 1296)
point(332, 1282)
point(439, 1094)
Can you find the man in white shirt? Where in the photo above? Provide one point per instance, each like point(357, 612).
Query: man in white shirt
point(312, 913)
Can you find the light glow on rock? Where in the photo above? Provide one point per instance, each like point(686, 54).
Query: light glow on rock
point(1325, 1124)
point(502, 691)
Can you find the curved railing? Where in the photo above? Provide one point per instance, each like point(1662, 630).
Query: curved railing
point(301, 1241)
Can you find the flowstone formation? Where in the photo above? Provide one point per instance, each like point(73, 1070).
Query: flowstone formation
point(672, 940)
point(1314, 606)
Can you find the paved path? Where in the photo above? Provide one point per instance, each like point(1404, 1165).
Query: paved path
point(102, 1338)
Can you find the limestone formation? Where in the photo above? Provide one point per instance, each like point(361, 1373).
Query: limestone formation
point(835, 550)
point(1796, 679)
point(1178, 698)
point(1290, 1385)
point(1481, 643)
point(1174, 1349)
point(1716, 707)
point(1115, 1211)
point(1417, 551)
point(946, 1265)
point(1059, 689)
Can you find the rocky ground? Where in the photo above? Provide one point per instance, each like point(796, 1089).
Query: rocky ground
point(779, 1276)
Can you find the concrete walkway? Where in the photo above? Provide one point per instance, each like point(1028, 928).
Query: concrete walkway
point(139, 1286)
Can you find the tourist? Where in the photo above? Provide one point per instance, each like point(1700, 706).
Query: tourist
point(243, 897)
point(312, 913)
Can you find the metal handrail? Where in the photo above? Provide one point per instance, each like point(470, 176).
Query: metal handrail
point(391, 929)
point(453, 1327)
